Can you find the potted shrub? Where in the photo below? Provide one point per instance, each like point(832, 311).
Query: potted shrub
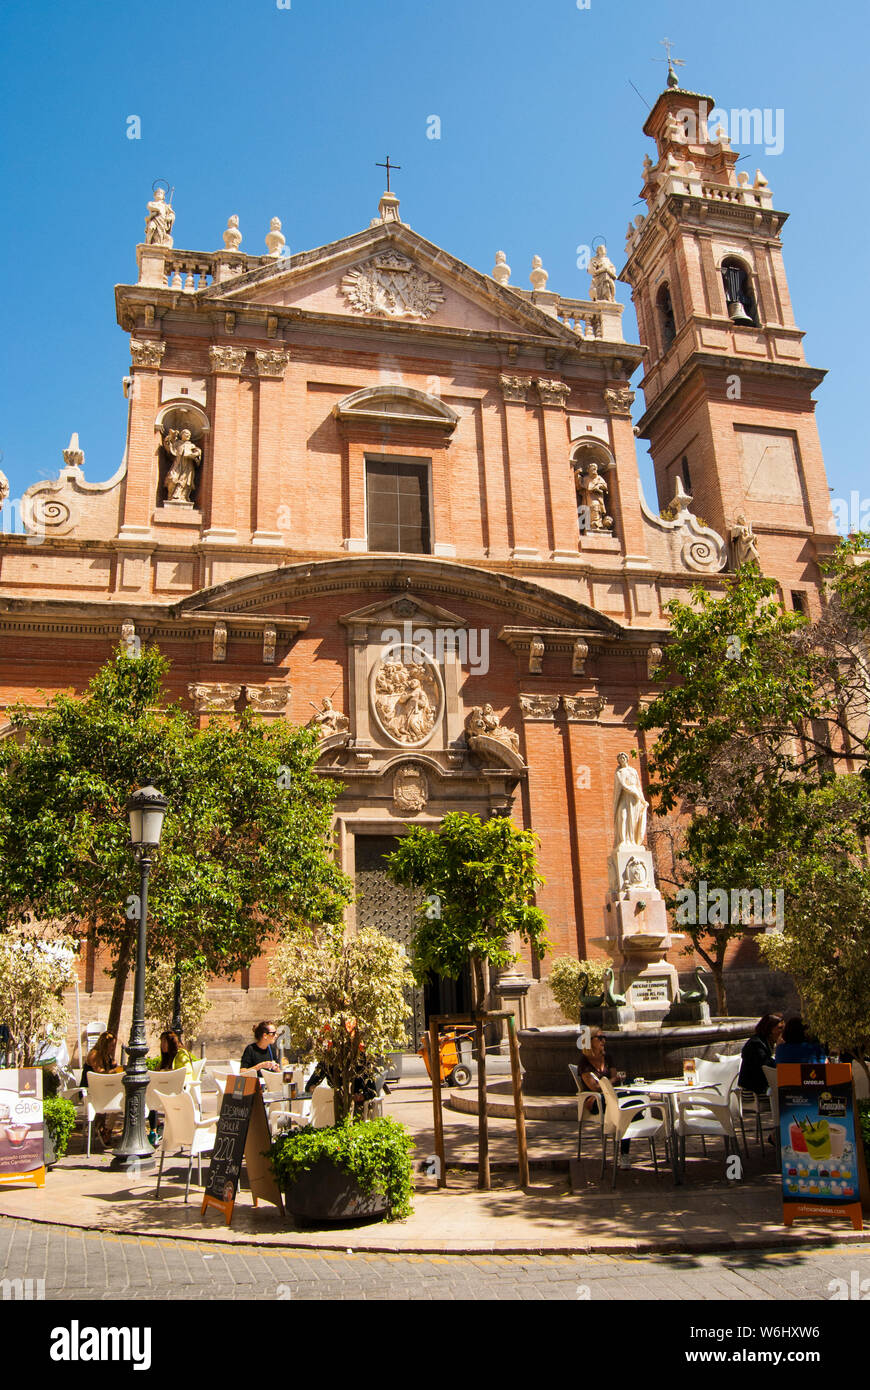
point(59, 1115)
point(346, 998)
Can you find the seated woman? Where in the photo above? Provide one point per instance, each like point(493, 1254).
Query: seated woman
point(101, 1059)
point(796, 1046)
point(594, 1064)
point(262, 1053)
point(173, 1056)
point(758, 1052)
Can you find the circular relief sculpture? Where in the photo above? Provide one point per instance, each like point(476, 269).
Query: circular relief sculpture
point(406, 695)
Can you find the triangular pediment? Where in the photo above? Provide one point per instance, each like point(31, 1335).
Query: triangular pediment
point(406, 607)
point(390, 274)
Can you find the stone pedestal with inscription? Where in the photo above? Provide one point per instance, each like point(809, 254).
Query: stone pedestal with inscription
point(636, 926)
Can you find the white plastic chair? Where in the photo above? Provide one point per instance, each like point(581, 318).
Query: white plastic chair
point(723, 1075)
point(163, 1083)
point(631, 1121)
point(322, 1106)
point(706, 1114)
point(185, 1130)
point(103, 1095)
point(597, 1113)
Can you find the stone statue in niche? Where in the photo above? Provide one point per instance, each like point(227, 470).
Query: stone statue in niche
point(406, 698)
point(593, 497)
point(603, 276)
point(158, 223)
point(629, 806)
point(483, 720)
point(186, 457)
point(327, 720)
point(745, 543)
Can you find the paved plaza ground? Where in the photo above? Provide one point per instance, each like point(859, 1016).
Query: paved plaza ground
point(76, 1265)
point(567, 1208)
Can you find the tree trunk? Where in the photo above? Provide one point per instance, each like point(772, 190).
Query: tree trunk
point(718, 969)
point(122, 971)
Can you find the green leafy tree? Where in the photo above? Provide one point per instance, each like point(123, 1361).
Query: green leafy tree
point(826, 944)
point(160, 977)
point(480, 878)
point(344, 1003)
point(246, 845)
point(34, 971)
point(761, 710)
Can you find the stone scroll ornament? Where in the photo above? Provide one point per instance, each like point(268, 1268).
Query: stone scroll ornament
point(406, 696)
point(391, 285)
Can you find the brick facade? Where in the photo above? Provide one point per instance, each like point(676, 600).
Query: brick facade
point(288, 385)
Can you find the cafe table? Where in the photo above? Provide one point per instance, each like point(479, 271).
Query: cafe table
point(665, 1090)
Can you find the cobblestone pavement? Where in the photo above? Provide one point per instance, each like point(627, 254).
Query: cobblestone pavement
point(91, 1265)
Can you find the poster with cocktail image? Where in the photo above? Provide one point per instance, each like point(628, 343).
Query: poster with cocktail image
point(22, 1154)
point(822, 1156)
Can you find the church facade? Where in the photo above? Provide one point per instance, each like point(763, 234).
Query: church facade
point(369, 486)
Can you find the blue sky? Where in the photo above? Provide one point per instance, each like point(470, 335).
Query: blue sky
point(261, 110)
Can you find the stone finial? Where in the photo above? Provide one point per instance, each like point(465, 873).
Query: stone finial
point(539, 275)
point(232, 235)
point(159, 220)
point(73, 456)
point(501, 271)
point(388, 209)
point(275, 240)
point(760, 180)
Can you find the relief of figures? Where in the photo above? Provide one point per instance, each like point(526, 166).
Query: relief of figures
point(406, 700)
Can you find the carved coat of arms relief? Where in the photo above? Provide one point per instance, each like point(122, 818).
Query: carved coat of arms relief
point(394, 286)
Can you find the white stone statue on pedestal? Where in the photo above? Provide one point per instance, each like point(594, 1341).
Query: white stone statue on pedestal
point(158, 223)
point(629, 806)
point(603, 275)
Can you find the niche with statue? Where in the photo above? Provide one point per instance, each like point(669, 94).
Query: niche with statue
point(182, 427)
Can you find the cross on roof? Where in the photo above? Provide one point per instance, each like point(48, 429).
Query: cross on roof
point(388, 166)
point(672, 63)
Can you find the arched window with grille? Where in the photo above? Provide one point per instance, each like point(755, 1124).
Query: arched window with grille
point(738, 292)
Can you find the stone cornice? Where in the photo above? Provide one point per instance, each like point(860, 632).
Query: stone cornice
point(726, 363)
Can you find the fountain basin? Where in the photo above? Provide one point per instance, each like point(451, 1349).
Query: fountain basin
point(648, 1050)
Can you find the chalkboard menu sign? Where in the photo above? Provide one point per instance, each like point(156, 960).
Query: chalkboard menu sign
point(242, 1136)
point(822, 1155)
point(22, 1153)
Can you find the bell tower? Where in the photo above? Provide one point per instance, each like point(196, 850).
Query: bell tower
point(728, 392)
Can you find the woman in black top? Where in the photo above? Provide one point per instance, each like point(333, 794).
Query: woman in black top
point(758, 1051)
point(263, 1052)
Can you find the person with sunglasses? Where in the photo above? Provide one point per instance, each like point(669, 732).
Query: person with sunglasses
point(262, 1053)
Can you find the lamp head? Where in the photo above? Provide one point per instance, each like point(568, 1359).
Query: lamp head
point(146, 809)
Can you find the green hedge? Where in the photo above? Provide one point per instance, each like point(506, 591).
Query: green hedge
point(376, 1152)
point(60, 1117)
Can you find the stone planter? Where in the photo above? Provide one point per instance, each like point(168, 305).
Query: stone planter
point(329, 1193)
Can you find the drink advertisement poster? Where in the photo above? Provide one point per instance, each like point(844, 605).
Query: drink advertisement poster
point(822, 1156)
point(22, 1156)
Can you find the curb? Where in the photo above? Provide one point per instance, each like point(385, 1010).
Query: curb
point(772, 1241)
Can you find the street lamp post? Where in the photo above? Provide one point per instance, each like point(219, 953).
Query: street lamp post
point(146, 809)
